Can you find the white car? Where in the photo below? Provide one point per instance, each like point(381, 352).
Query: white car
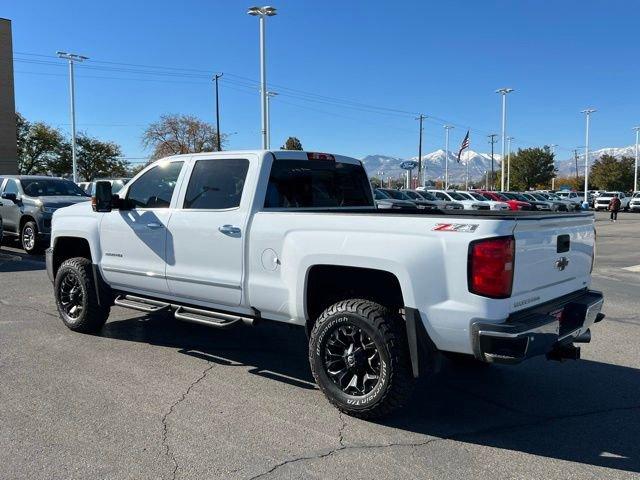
point(231, 238)
point(573, 197)
point(493, 205)
point(454, 196)
point(602, 202)
point(634, 203)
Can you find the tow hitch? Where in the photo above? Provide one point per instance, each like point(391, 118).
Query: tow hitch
point(564, 352)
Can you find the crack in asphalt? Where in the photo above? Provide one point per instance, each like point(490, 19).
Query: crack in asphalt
point(165, 428)
point(28, 307)
point(455, 437)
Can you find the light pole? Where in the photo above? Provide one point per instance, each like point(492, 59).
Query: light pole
point(215, 79)
point(421, 174)
point(587, 113)
point(635, 170)
point(509, 163)
point(492, 141)
point(503, 92)
point(269, 95)
point(71, 58)
point(446, 155)
point(263, 13)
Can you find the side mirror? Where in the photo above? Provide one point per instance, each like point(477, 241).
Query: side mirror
point(102, 201)
point(10, 196)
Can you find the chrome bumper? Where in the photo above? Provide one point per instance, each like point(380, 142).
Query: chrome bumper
point(539, 330)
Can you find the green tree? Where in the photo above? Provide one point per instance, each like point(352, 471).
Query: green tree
point(531, 167)
point(95, 159)
point(38, 145)
point(175, 134)
point(292, 143)
point(609, 173)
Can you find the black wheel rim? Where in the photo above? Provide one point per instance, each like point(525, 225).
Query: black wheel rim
point(71, 296)
point(352, 360)
point(28, 238)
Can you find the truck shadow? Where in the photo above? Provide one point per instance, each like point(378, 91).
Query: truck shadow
point(586, 412)
point(17, 261)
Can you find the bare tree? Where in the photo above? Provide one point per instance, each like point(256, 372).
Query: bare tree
point(175, 134)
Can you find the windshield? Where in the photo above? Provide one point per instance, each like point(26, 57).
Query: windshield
point(477, 196)
point(51, 187)
point(563, 194)
point(538, 196)
point(457, 196)
point(636, 195)
point(428, 196)
point(515, 196)
point(397, 194)
point(412, 195)
point(380, 195)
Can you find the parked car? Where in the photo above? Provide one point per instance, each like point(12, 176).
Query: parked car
point(232, 238)
point(571, 196)
point(564, 204)
point(453, 196)
point(383, 201)
point(441, 204)
point(535, 205)
point(400, 195)
point(493, 204)
point(28, 203)
point(84, 185)
point(116, 184)
point(634, 202)
point(602, 202)
point(513, 203)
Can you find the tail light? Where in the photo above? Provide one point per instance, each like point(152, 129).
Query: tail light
point(490, 268)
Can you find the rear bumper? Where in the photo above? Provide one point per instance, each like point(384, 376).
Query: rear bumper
point(537, 331)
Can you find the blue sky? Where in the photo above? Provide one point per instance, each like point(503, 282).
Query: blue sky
point(444, 59)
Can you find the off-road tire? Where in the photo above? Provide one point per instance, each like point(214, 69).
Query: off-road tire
point(93, 315)
point(35, 248)
point(384, 328)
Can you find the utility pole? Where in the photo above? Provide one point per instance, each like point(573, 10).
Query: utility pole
point(504, 92)
point(492, 141)
point(575, 156)
point(422, 177)
point(635, 170)
point(215, 79)
point(587, 113)
point(446, 155)
point(509, 163)
point(71, 58)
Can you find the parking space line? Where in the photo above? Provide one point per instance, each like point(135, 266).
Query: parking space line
point(633, 268)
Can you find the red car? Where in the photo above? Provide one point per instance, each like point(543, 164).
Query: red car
point(513, 204)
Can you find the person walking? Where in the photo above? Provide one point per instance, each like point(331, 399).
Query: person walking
point(614, 207)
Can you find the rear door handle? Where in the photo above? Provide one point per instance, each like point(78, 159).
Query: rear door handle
point(154, 225)
point(230, 230)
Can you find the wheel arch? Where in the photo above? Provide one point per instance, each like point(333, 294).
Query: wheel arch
point(66, 247)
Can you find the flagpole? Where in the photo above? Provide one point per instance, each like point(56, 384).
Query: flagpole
point(466, 183)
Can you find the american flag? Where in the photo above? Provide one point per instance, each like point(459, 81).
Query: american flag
point(464, 145)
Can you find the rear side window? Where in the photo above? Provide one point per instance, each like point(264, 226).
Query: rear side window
point(11, 187)
point(216, 184)
point(317, 183)
point(155, 188)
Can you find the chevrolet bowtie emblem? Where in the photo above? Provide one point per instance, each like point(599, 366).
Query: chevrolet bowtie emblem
point(562, 263)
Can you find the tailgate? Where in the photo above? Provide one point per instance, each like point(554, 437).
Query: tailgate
point(553, 258)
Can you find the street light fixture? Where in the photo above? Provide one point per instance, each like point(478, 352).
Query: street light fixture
point(71, 58)
point(262, 13)
point(504, 92)
point(587, 113)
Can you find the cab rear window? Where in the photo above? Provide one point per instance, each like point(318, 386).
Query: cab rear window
point(317, 184)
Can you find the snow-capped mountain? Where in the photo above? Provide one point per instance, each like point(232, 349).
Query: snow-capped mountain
point(382, 165)
point(568, 167)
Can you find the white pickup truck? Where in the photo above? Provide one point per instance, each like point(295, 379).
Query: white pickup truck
point(241, 237)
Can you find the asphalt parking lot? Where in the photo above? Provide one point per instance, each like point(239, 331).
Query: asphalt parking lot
point(153, 398)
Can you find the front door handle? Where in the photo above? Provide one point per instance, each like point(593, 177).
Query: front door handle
point(230, 230)
point(154, 225)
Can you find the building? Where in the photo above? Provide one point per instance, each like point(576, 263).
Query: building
point(8, 149)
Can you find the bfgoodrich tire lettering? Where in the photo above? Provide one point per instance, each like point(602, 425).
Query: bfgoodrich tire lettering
point(363, 339)
point(77, 297)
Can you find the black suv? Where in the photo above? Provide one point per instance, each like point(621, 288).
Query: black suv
point(27, 203)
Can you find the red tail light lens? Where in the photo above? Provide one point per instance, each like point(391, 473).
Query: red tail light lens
point(490, 269)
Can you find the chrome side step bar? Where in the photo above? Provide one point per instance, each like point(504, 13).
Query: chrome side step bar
point(211, 318)
point(140, 303)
